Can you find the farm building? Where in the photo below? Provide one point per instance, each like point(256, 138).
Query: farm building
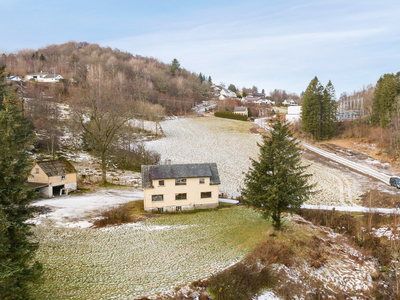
point(180, 187)
point(53, 177)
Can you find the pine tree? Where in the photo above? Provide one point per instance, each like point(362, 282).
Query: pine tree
point(209, 79)
point(277, 181)
point(18, 270)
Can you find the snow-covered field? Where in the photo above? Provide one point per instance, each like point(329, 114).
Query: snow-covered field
point(231, 145)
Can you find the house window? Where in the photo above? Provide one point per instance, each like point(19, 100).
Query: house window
point(180, 181)
point(157, 198)
point(62, 177)
point(205, 195)
point(181, 196)
point(161, 183)
point(201, 180)
point(37, 170)
point(160, 209)
point(178, 208)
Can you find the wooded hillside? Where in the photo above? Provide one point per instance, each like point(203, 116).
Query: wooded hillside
point(146, 79)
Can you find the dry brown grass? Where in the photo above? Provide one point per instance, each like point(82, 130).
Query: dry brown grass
point(130, 212)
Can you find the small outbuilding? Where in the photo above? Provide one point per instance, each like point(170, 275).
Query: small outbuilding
point(180, 186)
point(53, 177)
point(241, 110)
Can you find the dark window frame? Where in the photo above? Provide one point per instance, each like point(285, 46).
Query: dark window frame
point(206, 195)
point(180, 181)
point(158, 195)
point(179, 196)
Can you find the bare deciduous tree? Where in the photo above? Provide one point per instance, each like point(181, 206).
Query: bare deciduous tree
point(101, 109)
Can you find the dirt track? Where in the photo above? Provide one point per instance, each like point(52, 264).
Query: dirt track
point(372, 192)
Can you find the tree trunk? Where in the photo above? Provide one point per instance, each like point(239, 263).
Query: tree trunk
point(103, 169)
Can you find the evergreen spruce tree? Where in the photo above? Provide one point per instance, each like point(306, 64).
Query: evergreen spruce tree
point(329, 108)
point(310, 112)
point(175, 67)
point(3, 85)
point(319, 110)
point(386, 91)
point(18, 270)
point(277, 181)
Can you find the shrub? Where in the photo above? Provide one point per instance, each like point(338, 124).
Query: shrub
point(230, 115)
point(239, 282)
point(115, 215)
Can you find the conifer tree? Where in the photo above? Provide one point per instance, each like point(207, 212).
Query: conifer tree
point(319, 110)
point(277, 181)
point(175, 67)
point(329, 108)
point(386, 91)
point(18, 270)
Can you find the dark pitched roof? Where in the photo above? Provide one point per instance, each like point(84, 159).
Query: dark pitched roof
point(56, 167)
point(150, 173)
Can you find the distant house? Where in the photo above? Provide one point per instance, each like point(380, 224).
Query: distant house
point(53, 177)
point(258, 95)
point(289, 102)
point(294, 114)
point(227, 93)
point(180, 187)
point(242, 110)
point(44, 77)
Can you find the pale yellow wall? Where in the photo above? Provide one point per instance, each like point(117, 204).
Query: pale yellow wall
point(192, 188)
point(39, 178)
point(53, 180)
point(56, 180)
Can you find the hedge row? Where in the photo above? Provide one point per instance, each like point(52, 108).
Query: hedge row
point(230, 115)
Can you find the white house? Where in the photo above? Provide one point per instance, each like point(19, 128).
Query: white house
point(289, 102)
point(44, 77)
point(294, 114)
point(242, 110)
point(228, 93)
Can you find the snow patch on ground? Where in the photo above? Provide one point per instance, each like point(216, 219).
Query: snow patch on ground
point(72, 207)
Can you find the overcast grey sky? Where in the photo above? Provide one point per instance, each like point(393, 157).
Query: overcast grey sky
point(270, 44)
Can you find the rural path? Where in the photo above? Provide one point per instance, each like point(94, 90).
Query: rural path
point(348, 163)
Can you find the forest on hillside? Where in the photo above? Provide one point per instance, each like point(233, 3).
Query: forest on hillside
point(145, 79)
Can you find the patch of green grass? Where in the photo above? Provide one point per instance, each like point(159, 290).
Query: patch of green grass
point(144, 258)
point(224, 125)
